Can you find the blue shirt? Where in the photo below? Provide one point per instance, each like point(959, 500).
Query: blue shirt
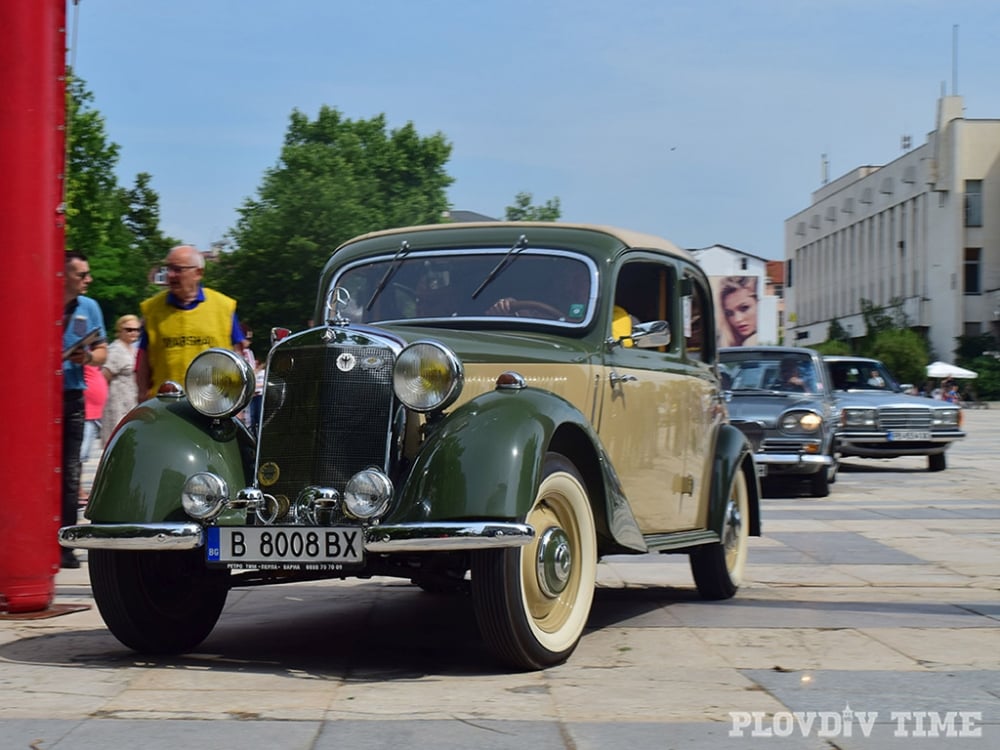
point(85, 317)
point(236, 336)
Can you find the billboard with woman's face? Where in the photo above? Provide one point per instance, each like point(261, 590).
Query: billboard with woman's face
point(736, 309)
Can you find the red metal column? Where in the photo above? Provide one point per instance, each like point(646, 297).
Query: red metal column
point(32, 142)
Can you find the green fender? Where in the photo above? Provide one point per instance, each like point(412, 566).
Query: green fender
point(155, 448)
point(484, 461)
point(732, 454)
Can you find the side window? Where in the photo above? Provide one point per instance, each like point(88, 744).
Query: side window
point(644, 293)
point(698, 339)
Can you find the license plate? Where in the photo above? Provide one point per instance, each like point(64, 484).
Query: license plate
point(901, 435)
point(284, 547)
point(761, 470)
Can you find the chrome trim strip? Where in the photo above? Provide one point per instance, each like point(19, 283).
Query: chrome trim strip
point(792, 458)
point(447, 535)
point(132, 536)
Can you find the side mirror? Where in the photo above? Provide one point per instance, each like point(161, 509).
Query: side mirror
point(651, 335)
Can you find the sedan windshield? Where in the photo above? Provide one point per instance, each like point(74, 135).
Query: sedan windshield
point(551, 286)
point(772, 372)
point(861, 375)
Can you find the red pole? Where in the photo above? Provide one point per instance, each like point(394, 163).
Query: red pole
point(32, 143)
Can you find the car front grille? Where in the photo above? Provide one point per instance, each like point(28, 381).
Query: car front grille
point(326, 415)
point(904, 419)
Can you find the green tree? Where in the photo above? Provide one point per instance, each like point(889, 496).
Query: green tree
point(832, 346)
point(904, 352)
point(117, 228)
point(522, 210)
point(335, 178)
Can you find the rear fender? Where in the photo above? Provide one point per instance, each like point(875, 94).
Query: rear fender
point(157, 446)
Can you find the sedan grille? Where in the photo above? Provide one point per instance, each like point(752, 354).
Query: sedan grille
point(326, 415)
point(904, 419)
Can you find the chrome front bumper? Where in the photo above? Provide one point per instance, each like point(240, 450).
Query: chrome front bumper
point(442, 536)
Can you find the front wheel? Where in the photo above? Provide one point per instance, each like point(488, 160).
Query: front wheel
point(718, 568)
point(936, 462)
point(157, 602)
point(532, 602)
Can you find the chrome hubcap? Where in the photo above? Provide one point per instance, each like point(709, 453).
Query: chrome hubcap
point(554, 562)
point(733, 524)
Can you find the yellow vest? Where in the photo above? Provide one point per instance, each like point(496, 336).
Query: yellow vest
point(175, 336)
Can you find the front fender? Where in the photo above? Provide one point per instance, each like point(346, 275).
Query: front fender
point(484, 460)
point(732, 454)
point(155, 448)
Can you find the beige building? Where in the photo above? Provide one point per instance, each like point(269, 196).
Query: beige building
point(923, 229)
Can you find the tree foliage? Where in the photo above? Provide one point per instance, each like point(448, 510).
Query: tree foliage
point(335, 178)
point(904, 352)
point(117, 228)
point(523, 210)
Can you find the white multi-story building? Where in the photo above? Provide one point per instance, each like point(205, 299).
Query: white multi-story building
point(923, 230)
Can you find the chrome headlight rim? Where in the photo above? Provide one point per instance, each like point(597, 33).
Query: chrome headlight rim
point(367, 494)
point(204, 495)
point(800, 422)
point(411, 382)
point(219, 383)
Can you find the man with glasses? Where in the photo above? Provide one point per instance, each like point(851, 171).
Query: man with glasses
point(84, 343)
point(182, 321)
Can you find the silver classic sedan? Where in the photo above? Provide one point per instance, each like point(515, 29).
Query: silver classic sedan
point(877, 420)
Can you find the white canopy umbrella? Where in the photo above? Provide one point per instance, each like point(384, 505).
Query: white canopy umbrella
point(945, 370)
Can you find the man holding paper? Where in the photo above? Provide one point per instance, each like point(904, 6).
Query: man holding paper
point(84, 343)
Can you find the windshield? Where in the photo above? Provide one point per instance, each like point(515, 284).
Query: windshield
point(861, 375)
point(769, 371)
point(551, 286)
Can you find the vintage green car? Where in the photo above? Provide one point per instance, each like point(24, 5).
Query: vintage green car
point(489, 407)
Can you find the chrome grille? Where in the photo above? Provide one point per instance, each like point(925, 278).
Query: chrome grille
point(904, 419)
point(322, 423)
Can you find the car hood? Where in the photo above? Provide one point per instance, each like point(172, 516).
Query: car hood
point(765, 408)
point(885, 400)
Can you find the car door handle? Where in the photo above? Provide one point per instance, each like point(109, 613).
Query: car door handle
point(615, 378)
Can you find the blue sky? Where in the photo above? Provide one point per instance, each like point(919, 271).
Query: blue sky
point(703, 122)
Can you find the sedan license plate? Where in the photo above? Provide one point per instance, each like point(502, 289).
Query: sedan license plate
point(761, 470)
point(284, 547)
point(898, 436)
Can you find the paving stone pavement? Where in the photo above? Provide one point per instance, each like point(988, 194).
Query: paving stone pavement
point(860, 611)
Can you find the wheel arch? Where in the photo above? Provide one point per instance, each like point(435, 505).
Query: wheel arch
point(732, 454)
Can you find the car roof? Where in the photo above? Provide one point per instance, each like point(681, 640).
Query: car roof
point(849, 358)
point(547, 229)
point(770, 349)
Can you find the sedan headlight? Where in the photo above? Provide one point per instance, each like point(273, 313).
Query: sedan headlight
point(427, 376)
point(858, 418)
point(800, 421)
point(945, 417)
point(219, 383)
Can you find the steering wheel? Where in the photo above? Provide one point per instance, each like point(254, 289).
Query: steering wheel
point(535, 307)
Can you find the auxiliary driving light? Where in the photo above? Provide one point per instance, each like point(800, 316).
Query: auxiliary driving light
point(367, 494)
point(204, 495)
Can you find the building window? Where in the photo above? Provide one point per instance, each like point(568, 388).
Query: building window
point(788, 273)
point(972, 255)
point(973, 203)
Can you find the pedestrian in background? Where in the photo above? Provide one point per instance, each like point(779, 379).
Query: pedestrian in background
point(182, 321)
point(119, 371)
point(83, 343)
point(95, 397)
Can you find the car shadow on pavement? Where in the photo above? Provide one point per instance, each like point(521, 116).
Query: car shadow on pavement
point(368, 632)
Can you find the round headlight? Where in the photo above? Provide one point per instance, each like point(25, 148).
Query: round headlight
point(367, 494)
point(798, 421)
point(204, 495)
point(219, 383)
point(427, 376)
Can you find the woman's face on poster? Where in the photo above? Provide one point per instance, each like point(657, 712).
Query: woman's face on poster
point(740, 307)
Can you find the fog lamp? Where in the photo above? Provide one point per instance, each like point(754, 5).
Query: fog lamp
point(204, 495)
point(367, 494)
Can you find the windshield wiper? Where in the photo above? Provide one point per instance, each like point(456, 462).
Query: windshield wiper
point(506, 260)
point(397, 261)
